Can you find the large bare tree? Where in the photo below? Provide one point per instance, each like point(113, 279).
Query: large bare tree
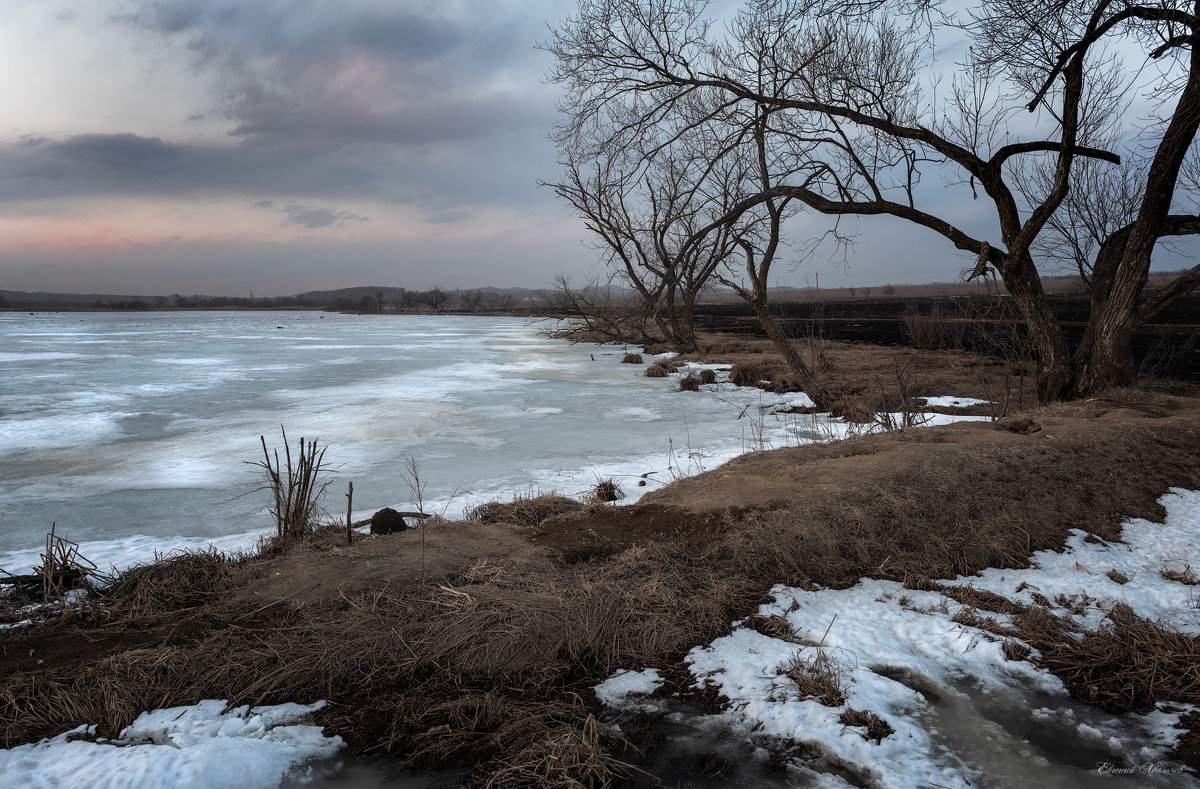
point(863, 119)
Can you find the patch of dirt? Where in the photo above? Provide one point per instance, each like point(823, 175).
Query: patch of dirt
point(394, 560)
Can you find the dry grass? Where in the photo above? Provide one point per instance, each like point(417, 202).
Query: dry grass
point(773, 626)
point(631, 358)
point(174, 582)
point(817, 675)
point(744, 375)
point(1128, 664)
point(656, 371)
point(494, 668)
point(1184, 576)
point(708, 377)
point(1116, 576)
point(877, 728)
point(606, 491)
point(523, 511)
point(490, 675)
point(688, 383)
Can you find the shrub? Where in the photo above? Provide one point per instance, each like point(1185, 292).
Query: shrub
point(296, 488)
point(606, 490)
point(745, 375)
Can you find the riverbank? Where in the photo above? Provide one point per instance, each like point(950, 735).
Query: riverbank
point(479, 642)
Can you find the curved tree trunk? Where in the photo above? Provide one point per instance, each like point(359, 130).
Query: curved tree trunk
point(816, 390)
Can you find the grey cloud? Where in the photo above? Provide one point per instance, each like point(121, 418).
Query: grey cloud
point(342, 73)
point(312, 218)
point(443, 177)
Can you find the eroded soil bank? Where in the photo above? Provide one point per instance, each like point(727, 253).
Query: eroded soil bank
point(478, 643)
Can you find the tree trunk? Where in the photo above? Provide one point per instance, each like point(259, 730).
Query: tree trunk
point(1105, 358)
point(1054, 372)
point(820, 395)
point(687, 325)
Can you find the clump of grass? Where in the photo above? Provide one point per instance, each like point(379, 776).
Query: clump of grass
point(631, 358)
point(773, 626)
point(817, 675)
point(524, 511)
point(877, 728)
point(745, 375)
point(708, 377)
point(656, 371)
point(606, 491)
point(1184, 576)
point(689, 383)
point(1117, 576)
point(174, 582)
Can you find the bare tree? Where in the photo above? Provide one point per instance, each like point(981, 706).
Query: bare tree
point(436, 299)
point(603, 308)
point(841, 82)
point(644, 212)
point(469, 300)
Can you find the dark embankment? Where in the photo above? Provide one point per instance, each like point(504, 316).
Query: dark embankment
point(483, 649)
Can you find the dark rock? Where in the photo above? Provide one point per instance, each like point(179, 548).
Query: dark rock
point(387, 521)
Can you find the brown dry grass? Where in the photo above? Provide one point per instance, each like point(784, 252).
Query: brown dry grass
point(524, 511)
point(631, 358)
point(606, 491)
point(1184, 576)
point(1128, 665)
point(655, 371)
point(877, 728)
point(817, 675)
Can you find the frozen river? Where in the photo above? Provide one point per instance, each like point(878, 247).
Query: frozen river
point(132, 432)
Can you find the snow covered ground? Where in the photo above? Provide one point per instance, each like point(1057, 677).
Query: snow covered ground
point(961, 713)
point(200, 747)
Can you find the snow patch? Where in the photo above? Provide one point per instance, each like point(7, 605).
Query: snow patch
point(199, 746)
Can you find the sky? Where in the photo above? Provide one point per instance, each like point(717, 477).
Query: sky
point(271, 147)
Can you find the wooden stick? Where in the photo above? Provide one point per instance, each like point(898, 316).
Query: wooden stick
point(349, 502)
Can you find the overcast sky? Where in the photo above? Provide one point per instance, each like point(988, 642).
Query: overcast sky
point(277, 146)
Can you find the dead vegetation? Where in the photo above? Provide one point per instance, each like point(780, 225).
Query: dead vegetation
point(296, 487)
point(523, 511)
point(656, 371)
point(606, 491)
point(1184, 576)
point(817, 675)
point(877, 728)
point(631, 358)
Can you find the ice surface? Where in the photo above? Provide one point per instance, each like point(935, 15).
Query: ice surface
point(199, 746)
point(144, 439)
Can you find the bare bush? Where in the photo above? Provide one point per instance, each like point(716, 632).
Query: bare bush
point(296, 487)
